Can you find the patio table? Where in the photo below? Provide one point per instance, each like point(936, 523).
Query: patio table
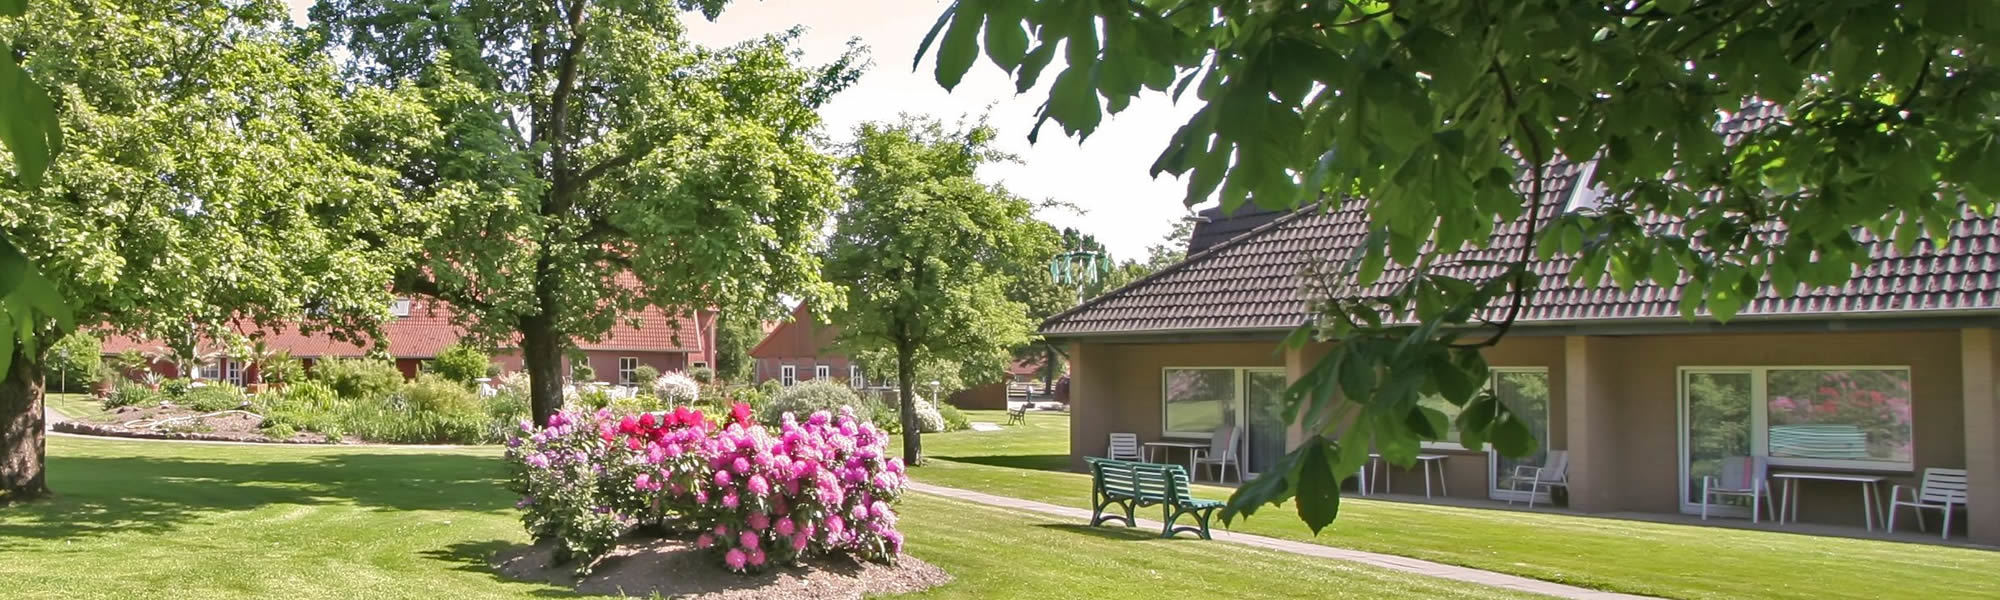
point(1167, 449)
point(1871, 493)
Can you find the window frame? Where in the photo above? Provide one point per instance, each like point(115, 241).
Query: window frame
point(1234, 403)
point(788, 375)
point(1760, 416)
point(855, 378)
point(232, 371)
point(822, 372)
point(1492, 374)
point(628, 370)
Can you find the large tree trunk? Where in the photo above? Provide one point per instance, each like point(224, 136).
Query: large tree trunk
point(542, 356)
point(913, 427)
point(21, 445)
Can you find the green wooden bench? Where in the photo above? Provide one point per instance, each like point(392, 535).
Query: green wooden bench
point(1130, 485)
point(1018, 416)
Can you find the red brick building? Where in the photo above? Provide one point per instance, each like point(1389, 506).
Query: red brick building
point(801, 349)
point(421, 328)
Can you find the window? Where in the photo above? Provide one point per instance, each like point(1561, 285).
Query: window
point(1525, 392)
point(232, 371)
point(700, 365)
point(1852, 417)
point(1195, 402)
point(822, 372)
point(854, 377)
point(628, 368)
point(400, 308)
point(788, 375)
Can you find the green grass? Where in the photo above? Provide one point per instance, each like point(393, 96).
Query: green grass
point(1658, 559)
point(75, 406)
point(134, 519)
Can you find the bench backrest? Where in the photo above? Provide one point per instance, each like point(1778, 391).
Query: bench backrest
point(1143, 480)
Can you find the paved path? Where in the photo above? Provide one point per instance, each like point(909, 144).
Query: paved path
point(1386, 561)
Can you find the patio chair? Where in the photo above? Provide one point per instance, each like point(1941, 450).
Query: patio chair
point(1221, 453)
point(1742, 476)
point(1554, 475)
point(1941, 490)
point(1125, 446)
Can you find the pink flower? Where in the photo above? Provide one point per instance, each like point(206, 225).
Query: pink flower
point(879, 509)
point(735, 559)
point(644, 481)
point(858, 513)
point(757, 558)
point(785, 527)
point(721, 530)
point(748, 540)
point(758, 486)
point(730, 501)
point(705, 541)
point(538, 460)
point(799, 542)
point(759, 521)
point(739, 465)
point(722, 479)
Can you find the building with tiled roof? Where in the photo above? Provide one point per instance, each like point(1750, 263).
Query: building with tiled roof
point(421, 328)
point(1895, 372)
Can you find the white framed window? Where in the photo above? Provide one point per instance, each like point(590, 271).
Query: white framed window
point(822, 372)
point(854, 377)
point(232, 371)
point(1525, 392)
point(1852, 417)
point(1195, 401)
point(628, 368)
point(788, 375)
point(400, 308)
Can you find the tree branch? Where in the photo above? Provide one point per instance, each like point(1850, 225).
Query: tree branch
point(559, 100)
point(1540, 166)
point(419, 282)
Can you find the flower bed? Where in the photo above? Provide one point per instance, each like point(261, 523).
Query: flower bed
point(756, 497)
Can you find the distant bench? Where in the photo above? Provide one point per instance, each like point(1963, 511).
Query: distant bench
point(1129, 485)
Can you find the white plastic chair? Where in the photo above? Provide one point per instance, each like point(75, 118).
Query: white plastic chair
point(1741, 476)
point(1221, 453)
point(1941, 490)
point(1555, 475)
point(1124, 446)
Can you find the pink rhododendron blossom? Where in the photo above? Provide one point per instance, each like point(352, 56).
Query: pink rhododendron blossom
point(749, 540)
point(735, 559)
point(758, 486)
point(730, 501)
point(757, 558)
point(704, 541)
point(784, 526)
point(759, 521)
point(722, 479)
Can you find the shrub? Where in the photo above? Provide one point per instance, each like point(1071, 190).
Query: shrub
point(433, 409)
point(176, 388)
point(954, 419)
point(758, 497)
point(704, 375)
point(928, 416)
point(747, 394)
point(644, 374)
point(461, 363)
point(215, 397)
point(771, 387)
point(677, 388)
point(586, 397)
point(281, 367)
point(493, 369)
point(359, 378)
point(131, 393)
point(814, 396)
point(583, 372)
point(279, 431)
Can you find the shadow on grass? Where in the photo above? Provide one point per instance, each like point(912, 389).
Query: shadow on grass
point(1110, 531)
point(1034, 462)
point(96, 495)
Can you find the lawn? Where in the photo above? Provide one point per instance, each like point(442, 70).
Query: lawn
point(137, 519)
point(74, 406)
point(1626, 556)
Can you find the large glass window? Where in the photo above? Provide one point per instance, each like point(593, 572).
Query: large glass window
point(628, 369)
point(1839, 414)
point(1198, 401)
point(1525, 391)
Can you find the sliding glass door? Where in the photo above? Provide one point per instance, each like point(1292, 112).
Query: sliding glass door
point(1715, 425)
point(1264, 401)
point(1525, 392)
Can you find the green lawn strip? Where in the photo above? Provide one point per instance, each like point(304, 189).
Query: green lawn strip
point(75, 406)
point(136, 519)
point(1619, 555)
point(1002, 554)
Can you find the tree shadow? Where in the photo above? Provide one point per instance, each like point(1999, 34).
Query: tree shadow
point(1110, 531)
point(646, 563)
point(1034, 462)
point(95, 495)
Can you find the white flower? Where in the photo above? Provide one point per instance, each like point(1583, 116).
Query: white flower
point(677, 388)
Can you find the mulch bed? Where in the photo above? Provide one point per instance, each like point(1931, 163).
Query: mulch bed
point(132, 421)
point(676, 569)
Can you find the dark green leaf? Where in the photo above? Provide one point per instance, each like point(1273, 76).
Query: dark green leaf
point(960, 46)
point(1318, 496)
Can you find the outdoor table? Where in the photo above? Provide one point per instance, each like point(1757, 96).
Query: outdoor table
point(1167, 449)
point(1788, 500)
point(1424, 461)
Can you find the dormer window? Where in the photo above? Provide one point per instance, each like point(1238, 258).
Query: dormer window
point(1585, 193)
point(400, 308)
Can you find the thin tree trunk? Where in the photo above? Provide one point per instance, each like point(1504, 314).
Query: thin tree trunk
point(542, 355)
point(906, 375)
point(21, 445)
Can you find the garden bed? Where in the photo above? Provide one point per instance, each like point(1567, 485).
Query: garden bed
point(674, 568)
point(177, 422)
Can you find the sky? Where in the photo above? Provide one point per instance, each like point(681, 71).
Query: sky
point(1105, 176)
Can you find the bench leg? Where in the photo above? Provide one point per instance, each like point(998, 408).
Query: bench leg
point(1097, 516)
point(1201, 517)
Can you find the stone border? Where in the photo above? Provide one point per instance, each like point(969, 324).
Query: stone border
point(120, 432)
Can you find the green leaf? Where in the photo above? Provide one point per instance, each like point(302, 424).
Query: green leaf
point(1318, 496)
point(13, 8)
point(1357, 377)
point(1006, 41)
point(1272, 487)
point(960, 46)
point(1073, 101)
point(925, 46)
point(1032, 65)
point(1512, 438)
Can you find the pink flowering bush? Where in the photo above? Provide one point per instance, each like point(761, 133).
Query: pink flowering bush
point(753, 496)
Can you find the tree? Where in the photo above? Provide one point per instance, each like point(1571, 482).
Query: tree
point(735, 334)
point(199, 191)
point(582, 161)
point(922, 248)
point(461, 362)
point(1442, 116)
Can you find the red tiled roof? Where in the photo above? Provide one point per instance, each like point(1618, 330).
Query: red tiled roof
point(428, 329)
point(1252, 282)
